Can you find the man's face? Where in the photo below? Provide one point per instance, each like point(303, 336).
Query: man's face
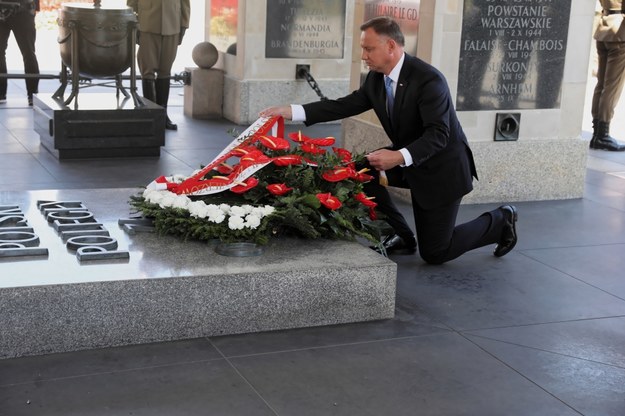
point(377, 51)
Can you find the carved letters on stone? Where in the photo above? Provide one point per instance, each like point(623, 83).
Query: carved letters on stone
point(17, 239)
point(80, 231)
point(74, 223)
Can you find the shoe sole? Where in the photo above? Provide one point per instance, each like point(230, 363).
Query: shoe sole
point(515, 217)
point(399, 251)
point(402, 251)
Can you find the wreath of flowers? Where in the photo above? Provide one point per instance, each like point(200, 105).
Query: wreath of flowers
point(264, 186)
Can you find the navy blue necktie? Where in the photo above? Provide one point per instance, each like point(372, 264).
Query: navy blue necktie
point(390, 98)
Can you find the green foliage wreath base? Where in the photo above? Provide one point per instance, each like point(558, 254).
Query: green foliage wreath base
point(298, 213)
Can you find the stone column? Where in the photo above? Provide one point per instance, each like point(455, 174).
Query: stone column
point(535, 75)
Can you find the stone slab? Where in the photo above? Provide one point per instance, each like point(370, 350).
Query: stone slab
point(168, 289)
point(203, 98)
point(99, 125)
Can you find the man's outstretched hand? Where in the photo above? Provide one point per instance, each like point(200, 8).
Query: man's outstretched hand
point(384, 159)
point(284, 111)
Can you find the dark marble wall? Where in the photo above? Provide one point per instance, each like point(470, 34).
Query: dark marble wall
point(512, 54)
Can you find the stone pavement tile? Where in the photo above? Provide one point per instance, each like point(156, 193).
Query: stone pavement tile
point(591, 388)
point(17, 118)
point(599, 340)
point(601, 266)
point(18, 171)
point(200, 388)
point(560, 223)
point(408, 322)
point(105, 360)
point(479, 291)
point(111, 171)
point(441, 374)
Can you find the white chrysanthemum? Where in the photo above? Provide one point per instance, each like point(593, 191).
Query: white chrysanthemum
point(225, 208)
point(214, 210)
point(235, 223)
point(237, 211)
point(155, 197)
point(252, 221)
point(181, 201)
point(168, 199)
point(258, 211)
point(198, 209)
point(216, 216)
point(247, 208)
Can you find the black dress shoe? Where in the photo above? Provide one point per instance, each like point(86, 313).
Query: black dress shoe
point(394, 244)
point(169, 125)
point(508, 236)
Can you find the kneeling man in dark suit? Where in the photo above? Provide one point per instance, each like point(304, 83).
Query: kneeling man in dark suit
point(429, 154)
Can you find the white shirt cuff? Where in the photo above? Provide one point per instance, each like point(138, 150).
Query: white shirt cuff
point(297, 113)
point(407, 157)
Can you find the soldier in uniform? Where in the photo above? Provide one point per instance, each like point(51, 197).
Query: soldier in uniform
point(18, 16)
point(610, 37)
point(162, 24)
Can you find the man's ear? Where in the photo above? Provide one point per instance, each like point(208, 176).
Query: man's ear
point(391, 45)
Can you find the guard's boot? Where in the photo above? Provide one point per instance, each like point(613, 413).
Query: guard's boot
point(162, 97)
point(603, 140)
point(594, 133)
point(149, 89)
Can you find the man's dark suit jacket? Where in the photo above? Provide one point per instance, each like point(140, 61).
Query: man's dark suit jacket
point(424, 122)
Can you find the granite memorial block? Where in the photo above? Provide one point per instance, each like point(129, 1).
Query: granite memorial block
point(83, 293)
point(512, 54)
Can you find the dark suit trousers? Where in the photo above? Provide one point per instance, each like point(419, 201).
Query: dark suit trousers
point(22, 25)
point(438, 237)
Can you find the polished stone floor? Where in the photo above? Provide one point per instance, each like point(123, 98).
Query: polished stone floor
point(538, 332)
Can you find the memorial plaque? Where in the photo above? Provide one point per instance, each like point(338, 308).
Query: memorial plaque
point(512, 54)
point(312, 29)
